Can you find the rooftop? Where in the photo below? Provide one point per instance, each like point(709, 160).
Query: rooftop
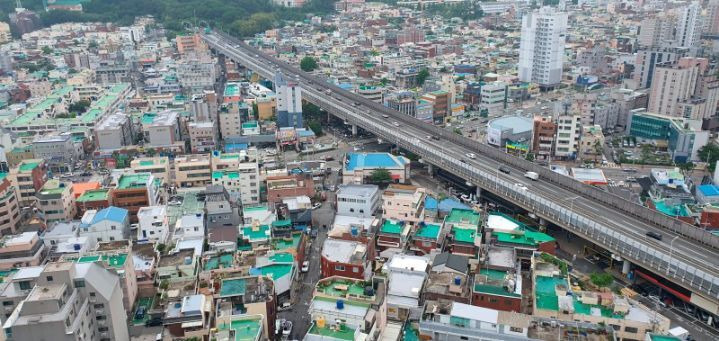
point(525, 236)
point(225, 260)
point(494, 282)
point(233, 287)
point(517, 124)
point(463, 234)
point(463, 217)
point(678, 210)
point(245, 329)
point(115, 261)
point(94, 195)
point(138, 180)
point(428, 231)
point(391, 227)
point(28, 165)
point(256, 232)
point(359, 161)
point(341, 287)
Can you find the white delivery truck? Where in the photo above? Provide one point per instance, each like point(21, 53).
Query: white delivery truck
point(532, 175)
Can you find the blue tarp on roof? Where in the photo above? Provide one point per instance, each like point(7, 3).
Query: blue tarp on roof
point(709, 190)
point(373, 160)
point(448, 204)
point(430, 203)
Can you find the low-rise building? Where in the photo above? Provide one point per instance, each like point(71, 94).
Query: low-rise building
point(239, 173)
point(158, 166)
point(404, 203)
point(56, 201)
point(240, 296)
point(193, 171)
point(203, 136)
point(153, 224)
point(359, 166)
point(106, 225)
point(24, 249)
point(118, 260)
point(279, 187)
point(134, 191)
point(94, 199)
point(392, 234)
point(446, 319)
point(28, 178)
point(162, 130)
point(114, 132)
point(464, 228)
point(281, 267)
point(498, 283)
point(508, 232)
point(427, 237)
point(345, 258)
point(358, 200)
point(189, 317)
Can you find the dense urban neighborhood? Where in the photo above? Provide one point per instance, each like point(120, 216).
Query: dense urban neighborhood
point(347, 170)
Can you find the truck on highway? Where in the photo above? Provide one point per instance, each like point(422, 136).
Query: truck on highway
point(532, 175)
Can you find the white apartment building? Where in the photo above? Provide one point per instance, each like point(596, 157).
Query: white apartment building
point(66, 301)
point(541, 50)
point(289, 102)
point(493, 96)
point(239, 173)
point(197, 74)
point(56, 201)
point(689, 26)
point(569, 130)
point(358, 200)
point(193, 171)
point(106, 225)
point(161, 129)
point(189, 226)
point(153, 224)
point(684, 89)
point(114, 132)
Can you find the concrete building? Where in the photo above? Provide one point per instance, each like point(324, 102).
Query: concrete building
point(67, 301)
point(657, 31)
point(683, 137)
point(358, 200)
point(440, 103)
point(134, 191)
point(190, 44)
point(114, 132)
point(203, 136)
point(289, 102)
point(24, 249)
point(56, 201)
point(153, 224)
point(158, 166)
point(359, 166)
point(345, 258)
point(509, 129)
point(569, 130)
point(543, 132)
point(648, 58)
point(223, 216)
point(58, 151)
point(493, 97)
point(239, 173)
point(689, 26)
point(372, 93)
point(684, 89)
point(162, 129)
point(196, 74)
point(403, 203)
point(476, 324)
point(280, 187)
point(95, 199)
point(28, 177)
point(193, 171)
point(541, 51)
point(117, 258)
point(591, 143)
point(9, 207)
point(257, 297)
point(106, 225)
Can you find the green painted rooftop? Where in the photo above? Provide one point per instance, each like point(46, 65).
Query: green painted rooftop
point(282, 257)
point(545, 294)
point(233, 287)
point(525, 237)
point(133, 180)
point(343, 333)
point(284, 244)
point(463, 216)
point(465, 235)
point(656, 337)
point(262, 232)
point(340, 288)
point(115, 261)
point(3, 175)
point(245, 329)
point(28, 166)
point(213, 263)
point(232, 175)
point(428, 231)
point(494, 284)
point(276, 271)
point(94, 195)
point(391, 227)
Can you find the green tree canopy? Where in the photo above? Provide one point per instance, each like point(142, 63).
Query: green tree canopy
point(308, 64)
point(422, 76)
point(602, 279)
point(709, 154)
point(380, 175)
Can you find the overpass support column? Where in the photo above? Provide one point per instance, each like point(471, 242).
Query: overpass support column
point(430, 170)
point(542, 225)
point(354, 129)
point(625, 266)
point(478, 193)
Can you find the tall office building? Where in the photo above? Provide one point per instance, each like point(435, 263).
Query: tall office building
point(541, 51)
point(289, 102)
point(657, 31)
point(689, 26)
point(649, 58)
point(712, 19)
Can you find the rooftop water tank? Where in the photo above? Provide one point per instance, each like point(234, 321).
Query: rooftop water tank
point(340, 304)
point(457, 280)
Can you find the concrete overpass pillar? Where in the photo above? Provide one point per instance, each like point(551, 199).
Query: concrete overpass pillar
point(625, 267)
point(430, 170)
point(478, 193)
point(354, 129)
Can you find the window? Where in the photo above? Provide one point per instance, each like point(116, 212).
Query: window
point(340, 267)
point(79, 283)
point(92, 294)
point(631, 329)
point(25, 285)
point(355, 269)
point(99, 306)
point(516, 330)
point(7, 303)
point(49, 278)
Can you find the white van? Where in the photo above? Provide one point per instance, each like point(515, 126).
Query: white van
point(532, 175)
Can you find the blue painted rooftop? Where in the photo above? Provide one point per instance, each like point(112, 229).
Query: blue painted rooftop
point(448, 204)
point(373, 160)
point(111, 213)
point(709, 190)
point(430, 203)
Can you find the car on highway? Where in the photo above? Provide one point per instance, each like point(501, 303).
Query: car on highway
point(504, 169)
point(462, 160)
point(435, 137)
point(385, 116)
point(396, 124)
point(470, 155)
point(521, 186)
point(655, 235)
point(532, 175)
point(306, 266)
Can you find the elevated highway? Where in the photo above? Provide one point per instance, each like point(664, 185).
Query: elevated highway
point(686, 255)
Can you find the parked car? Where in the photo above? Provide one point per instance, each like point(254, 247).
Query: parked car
point(521, 186)
point(153, 322)
point(140, 313)
point(504, 169)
